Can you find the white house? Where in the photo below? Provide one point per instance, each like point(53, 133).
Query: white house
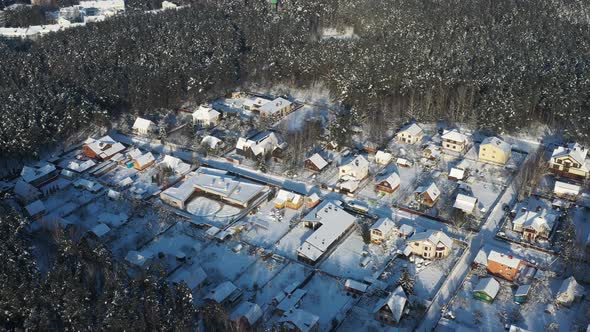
point(356, 169)
point(569, 292)
point(206, 117)
point(383, 158)
point(260, 145)
point(224, 292)
point(456, 174)
point(533, 224)
point(178, 166)
point(465, 203)
point(453, 140)
point(254, 104)
point(382, 230)
point(143, 126)
point(212, 142)
point(279, 107)
point(410, 134)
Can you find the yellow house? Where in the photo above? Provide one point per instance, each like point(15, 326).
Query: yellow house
point(430, 244)
point(286, 199)
point(570, 161)
point(494, 150)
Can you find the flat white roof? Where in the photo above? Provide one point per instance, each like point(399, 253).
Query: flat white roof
point(334, 223)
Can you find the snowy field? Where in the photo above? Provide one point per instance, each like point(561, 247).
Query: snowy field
point(288, 244)
point(263, 229)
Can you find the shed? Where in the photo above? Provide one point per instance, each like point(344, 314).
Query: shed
point(486, 289)
point(354, 286)
point(522, 293)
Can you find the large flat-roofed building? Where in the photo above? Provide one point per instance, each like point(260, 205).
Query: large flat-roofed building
point(331, 223)
point(216, 183)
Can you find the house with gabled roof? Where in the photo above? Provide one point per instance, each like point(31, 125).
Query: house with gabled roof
point(382, 230)
point(453, 140)
point(570, 161)
point(388, 184)
point(534, 224)
point(246, 315)
point(486, 289)
point(430, 244)
point(144, 161)
point(494, 150)
point(383, 158)
point(427, 195)
point(569, 292)
point(276, 107)
point(298, 320)
point(410, 134)
point(566, 190)
point(26, 192)
point(143, 126)
point(465, 203)
point(505, 266)
point(225, 293)
point(315, 163)
point(288, 199)
point(456, 174)
point(356, 169)
point(206, 117)
point(39, 174)
point(390, 309)
point(312, 201)
point(102, 149)
point(261, 145)
point(35, 210)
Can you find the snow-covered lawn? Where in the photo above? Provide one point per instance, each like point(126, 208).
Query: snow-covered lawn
point(221, 263)
point(291, 273)
point(259, 274)
point(289, 243)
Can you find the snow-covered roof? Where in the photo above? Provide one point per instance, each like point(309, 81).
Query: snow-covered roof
point(570, 289)
point(457, 173)
point(523, 290)
point(176, 164)
point(393, 180)
point(258, 101)
point(385, 225)
point(136, 258)
point(145, 159)
point(88, 185)
point(431, 191)
point(80, 166)
point(260, 143)
point(454, 135)
point(31, 174)
point(287, 196)
point(134, 153)
point(465, 203)
point(26, 190)
point(412, 129)
point(356, 285)
point(334, 222)
point(490, 286)
point(100, 230)
point(302, 320)
point(382, 156)
point(274, 106)
point(545, 218)
point(318, 161)
point(211, 141)
point(205, 113)
point(403, 162)
point(313, 197)
point(292, 298)
point(506, 260)
point(406, 229)
point(357, 164)
point(574, 151)
point(435, 237)
point(481, 258)
point(103, 4)
point(350, 185)
point(105, 146)
point(495, 141)
point(192, 276)
point(396, 301)
point(221, 292)
point(35, 207)
point(143, 124)
point(566, 188)
point(250, 311)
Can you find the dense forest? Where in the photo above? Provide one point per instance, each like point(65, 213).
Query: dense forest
point(499, 65)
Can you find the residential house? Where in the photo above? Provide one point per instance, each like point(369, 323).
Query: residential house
point(169, 5)
point(26, 192)
point(403, 162)
point(226, 293)
point(103, 148)
point(88, 185)
point(287, 199)
point(569, 292)
point(431, 244)
point(206, 117)
point(405, 231)
point(39, 174)
point(410, 134)
point(453, 140)
point(432, 152)
point(192, 275)
point(486, 289)
point(456, 174)
point(261, 145)
point(246, 315)
point(35, 210)
point(277, 107)
point(144, 161)
point(254, 104)
point(570, 162)
point(390, 309)
point(382, 230)
point(389, 184)
point(312, 201)
point(427, 196)
point(465, 203)
point(494, 150)
point(143, 126)
point(522, 294)
point(297, 320)
point(383, 158)
point(534, 224)
point(505, 266)
point(212, 142)
point(315, 163)
point(176, 164)
point(330, 223)
point(356, 169)
point(566, 190)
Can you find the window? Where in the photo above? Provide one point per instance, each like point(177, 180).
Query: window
point(448, 146)
point(417, 244)
point(559, 161)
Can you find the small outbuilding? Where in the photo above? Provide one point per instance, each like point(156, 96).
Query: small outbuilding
point(486, 289)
